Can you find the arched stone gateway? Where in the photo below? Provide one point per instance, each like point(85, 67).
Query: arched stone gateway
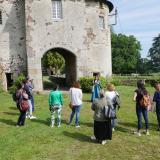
point(77, 28)
point(70, 65)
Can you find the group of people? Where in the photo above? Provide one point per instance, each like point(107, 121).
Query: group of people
point(103, 127)
point(24, 93)
point(142, 97)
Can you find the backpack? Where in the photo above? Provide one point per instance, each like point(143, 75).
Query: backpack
point(109, 112)
point(116, 100)
point(145, 101)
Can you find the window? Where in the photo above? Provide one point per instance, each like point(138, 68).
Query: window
point(57, 9)
point(101, 22)
point(0, 17)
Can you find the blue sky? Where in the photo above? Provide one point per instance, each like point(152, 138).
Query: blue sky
point(140, 18)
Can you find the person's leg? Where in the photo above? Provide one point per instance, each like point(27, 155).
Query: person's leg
point(52, 117)
point(30, 108)
point(158, 115)
point(32, 102)
point(59, 116)
point(77, 110)
point(20, 119)
point(72, 115)
point(145, 116)
point(23, 118)
point(139, 117)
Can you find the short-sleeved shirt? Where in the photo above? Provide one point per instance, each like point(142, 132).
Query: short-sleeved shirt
point(140, 93)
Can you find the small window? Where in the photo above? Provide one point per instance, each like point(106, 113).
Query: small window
point(0, 17)
point(101, 22)
point(57, 9)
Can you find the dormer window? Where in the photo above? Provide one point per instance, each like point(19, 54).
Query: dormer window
point(0, 17)
point(57, 9)
point(101, 22)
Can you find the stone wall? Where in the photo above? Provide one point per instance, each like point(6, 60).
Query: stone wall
point(12, 38)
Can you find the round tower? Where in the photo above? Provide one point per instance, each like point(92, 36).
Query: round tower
point(77, 29)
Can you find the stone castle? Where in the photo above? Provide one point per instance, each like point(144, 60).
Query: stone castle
point(77, 29)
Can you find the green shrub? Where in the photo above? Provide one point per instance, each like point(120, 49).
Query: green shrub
point(87, 83)
point(18, 81)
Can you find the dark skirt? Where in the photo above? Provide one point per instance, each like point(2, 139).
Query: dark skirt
point(103, 130)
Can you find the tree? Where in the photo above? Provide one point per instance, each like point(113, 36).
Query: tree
point(53, 60)
point(125, 53)
point(154, 54)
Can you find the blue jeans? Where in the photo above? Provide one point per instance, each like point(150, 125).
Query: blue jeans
point(142, 111)
point(75, 109)
point(158, 114)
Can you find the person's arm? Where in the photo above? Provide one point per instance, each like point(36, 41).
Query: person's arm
point(155, 97)
point(80, 95)
point(50, 100)
point(61, 98)
point(93, 106)
point(135, 96)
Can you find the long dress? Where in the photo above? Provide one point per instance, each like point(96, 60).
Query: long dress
point(96, 90)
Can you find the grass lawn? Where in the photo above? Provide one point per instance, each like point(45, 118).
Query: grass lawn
point(38, 141)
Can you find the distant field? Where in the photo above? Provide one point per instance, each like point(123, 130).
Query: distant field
point(37, 141)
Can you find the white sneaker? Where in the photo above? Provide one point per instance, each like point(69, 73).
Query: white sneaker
point(78, 126)
point(93, 138)
point(137, 133)
point(104, 142)
point(59, 126)
point(33, 117)
point(147, 133)
point(113, 129)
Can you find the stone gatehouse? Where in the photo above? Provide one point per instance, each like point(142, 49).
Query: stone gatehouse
point(77, 29)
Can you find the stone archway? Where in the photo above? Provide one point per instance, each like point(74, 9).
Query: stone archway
point(70, 65)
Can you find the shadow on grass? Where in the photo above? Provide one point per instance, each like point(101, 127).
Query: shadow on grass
point(10, 113)
point(13, 108)
point(78, 136)
point(8, 122)
point(128, 124)
point(45, 122)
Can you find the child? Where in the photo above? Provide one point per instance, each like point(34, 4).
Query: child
point(156, 99)
point(55, 104)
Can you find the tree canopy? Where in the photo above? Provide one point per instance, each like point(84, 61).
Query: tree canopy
point(54, 60)
point(125, 53)
point(154, 54)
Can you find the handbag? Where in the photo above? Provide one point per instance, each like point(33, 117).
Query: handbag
point(24, 105)
point(70, 104)
point(109, 112)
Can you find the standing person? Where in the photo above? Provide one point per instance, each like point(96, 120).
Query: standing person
point(102, 126)
point(96, 88)
point(156, 99)
point(22, 116)
point(26, 88)
point(31, 86)
point(75, 94)
point(141, 110)
point(111, 95)
point(55, 104)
